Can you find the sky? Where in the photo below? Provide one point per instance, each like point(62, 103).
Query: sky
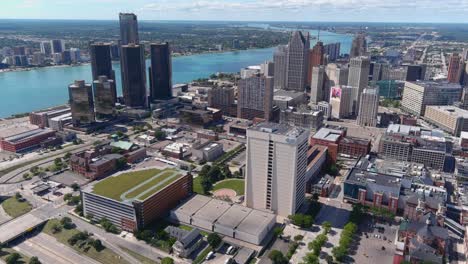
point(448, 11)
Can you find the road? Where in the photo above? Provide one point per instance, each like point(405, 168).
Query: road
point(117, 241)
point(49, 250)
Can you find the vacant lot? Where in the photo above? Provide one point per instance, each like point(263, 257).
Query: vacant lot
point(14, 207)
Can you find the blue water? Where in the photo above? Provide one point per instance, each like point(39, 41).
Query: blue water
point(26, 91)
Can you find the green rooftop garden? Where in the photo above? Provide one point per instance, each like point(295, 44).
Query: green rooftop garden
point(137, 185)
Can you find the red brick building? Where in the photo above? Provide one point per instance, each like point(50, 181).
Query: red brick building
point(26, 140)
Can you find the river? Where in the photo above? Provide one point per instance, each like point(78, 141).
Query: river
point(25, 91)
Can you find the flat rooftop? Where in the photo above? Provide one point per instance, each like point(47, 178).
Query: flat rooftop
point(27, 134)
point(212, 210)
point(328, 134)
point(449, 110)
point(194, 204)
point(135, 185)
point(255, 222)
point(234, 216)
point(278, 129)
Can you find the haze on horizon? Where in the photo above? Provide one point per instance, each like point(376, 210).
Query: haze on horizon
point(431, 11)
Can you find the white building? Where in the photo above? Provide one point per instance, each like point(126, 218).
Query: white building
point(276, 168)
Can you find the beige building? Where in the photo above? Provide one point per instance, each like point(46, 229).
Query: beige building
point(359, 68)
point(369, 107)
point(341, 101)
point(255, 97)
point(449, 118)
point(276, 168)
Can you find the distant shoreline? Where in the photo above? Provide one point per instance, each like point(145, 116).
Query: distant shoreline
point(116, 61)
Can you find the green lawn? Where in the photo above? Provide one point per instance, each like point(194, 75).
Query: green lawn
point(197, 188)
point(15, 208)
point(201, 257)
point(153, 182)
point(105, 256)
point(114, 187)
point(7, 251)
point(140, 258)
point(234, 184)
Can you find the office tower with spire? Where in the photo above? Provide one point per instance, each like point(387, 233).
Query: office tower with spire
point(369, 107)
point(133, 75)
point(298, 57)
point(358, 46)
point(317, 87)
point(276, 168)
point(255, 97)
point(358, 77)
point(101, 64)
point(316, 58)
point(128, 28)
point(280, 60)
point(160, 72)
point(81, 103)
point(104, 100)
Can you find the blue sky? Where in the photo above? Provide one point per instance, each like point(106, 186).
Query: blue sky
point(252, 10)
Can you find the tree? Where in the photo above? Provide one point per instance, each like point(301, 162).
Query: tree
point(160, 135)
point(214, 240)
point(18, 196)
point(121, 163)
point(277, 257)
point(145, 235)
point(278, 231)
point(56, 227)
point(67, 156)
point(339, 253)
point(26, 176)
point(67, 197)
point(108, 226)
point(66, 222)
point(79, 209)
point(310, 259)
point(34, 260)
point(298, 237)
point(58, 162)
point(75, 186)
point(326, 226)
point(90, 216)
point(97, 245)
point(13, 258)
point(167, 260)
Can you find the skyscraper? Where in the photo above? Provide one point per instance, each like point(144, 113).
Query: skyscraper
point(455, 68)
point(46, 48)
point(255, 97)
point(101, 64)
point(317, 86)
point(160, 72)
point(128, 28)
point(104, 97)
point(298, 56)
point(276, 168)
point(341, 101)
point(369, 107)
point(57, 46)
point(315, 59)
point(332, 50)
point(81, 102)
point(280, 60)
point(133, 75)
point(358, 77)
point(359, 46)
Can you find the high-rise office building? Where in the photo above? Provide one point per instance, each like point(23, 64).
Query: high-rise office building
point(104, 97)
point(280, 60)
point(455, 68)
point(101, 64)
point(317, 91)
point(46, 48)
point(418, 95)
point(268, 68)
point(332, 51)
point(369, 107)
point(359, 46)
point(115, 51)
point(66, 57)
point(276, 168)
point(358, 77)
point(255, 97)
point(75, 55)
point(128, 28)
point(160, 72)
point(316, 55)
point(133, 75)
point(81, 102)
point(297, 63)
point(57, 46)
point(341, 101)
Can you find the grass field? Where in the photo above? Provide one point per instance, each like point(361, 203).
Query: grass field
point(197, 188)
point(15, 208)
point(234, 184)
point(153, 182)
point(105, 256)
point(114, 187)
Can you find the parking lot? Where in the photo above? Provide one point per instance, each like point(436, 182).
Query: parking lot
point(375, 243)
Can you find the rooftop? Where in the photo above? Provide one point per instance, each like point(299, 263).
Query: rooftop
point(255, 222)
point(328, 134)
point(212, 210)
point(233, 216)
point(135, 185)
point(449, 110)
point(278, 129)
point(27, 134)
